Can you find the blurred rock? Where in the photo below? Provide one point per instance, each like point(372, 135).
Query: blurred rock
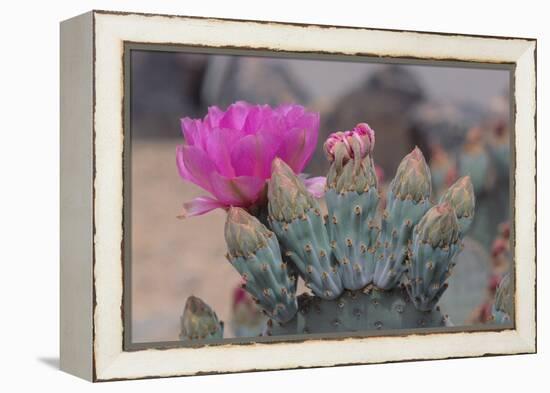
point(461, 139)
point(258, 80)
point(165, 87)
point(384, 101)
point(443, 123)
point(443, 169)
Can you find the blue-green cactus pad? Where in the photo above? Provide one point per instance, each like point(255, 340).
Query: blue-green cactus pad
point(428, 271)
point(357, 311)
point(268, 280)
point(397, 226)
point(307, 245)
point(353, 233)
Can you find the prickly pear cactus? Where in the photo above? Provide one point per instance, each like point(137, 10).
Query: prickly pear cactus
point(199, 321)
point(365, 272)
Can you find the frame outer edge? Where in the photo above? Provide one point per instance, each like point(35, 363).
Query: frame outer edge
point(76, 193)
point(526, 184)
point(113, 363)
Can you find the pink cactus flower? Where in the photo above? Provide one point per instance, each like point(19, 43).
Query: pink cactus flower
point(229, 153)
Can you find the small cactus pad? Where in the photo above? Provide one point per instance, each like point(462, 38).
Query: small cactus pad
point(435, 243)
point(408, 200)
point(254, 251)
point(199, 321)
point(295, 217)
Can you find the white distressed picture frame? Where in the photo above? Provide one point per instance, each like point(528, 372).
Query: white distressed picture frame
point(92, 151)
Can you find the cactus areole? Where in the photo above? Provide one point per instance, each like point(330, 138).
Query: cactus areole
point(366, 269)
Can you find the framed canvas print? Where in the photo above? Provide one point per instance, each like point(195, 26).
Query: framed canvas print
point(245, 195)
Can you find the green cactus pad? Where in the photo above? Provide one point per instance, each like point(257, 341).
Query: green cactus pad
point(434, 245)
point(353, 232)
point(307, 245)
point(408, 200)
point(295, 217)
point(254, 252)
point(356, 311)
point(397, 226)
point(267, 280)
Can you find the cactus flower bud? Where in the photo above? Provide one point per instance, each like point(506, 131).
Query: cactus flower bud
point(461, 197)
point(199, 321)
point(244, 233)
point(439, 226)
point(345, 145)
point(412, 179)
point(356, 175)
point(287, 194)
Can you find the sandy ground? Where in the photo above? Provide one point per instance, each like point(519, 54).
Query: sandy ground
point(173, 259)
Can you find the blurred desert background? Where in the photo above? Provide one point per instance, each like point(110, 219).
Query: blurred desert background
point(459, 117)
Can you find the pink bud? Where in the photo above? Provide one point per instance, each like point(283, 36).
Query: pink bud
point(356, 143)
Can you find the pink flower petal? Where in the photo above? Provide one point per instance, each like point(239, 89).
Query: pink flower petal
point(235, 116)
point(291, 113)
point(256, 119)
point(184, 173)
point(198, 206)
point(292, 150)
point(252, 156)
point(219, 146)
point(194, 165)
point(285, 109)
point(214, 116)
point(191, 129)
point(238, 191)
point(316, 186)
point(299, 143)
point(309, 120)
point(246, 156)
